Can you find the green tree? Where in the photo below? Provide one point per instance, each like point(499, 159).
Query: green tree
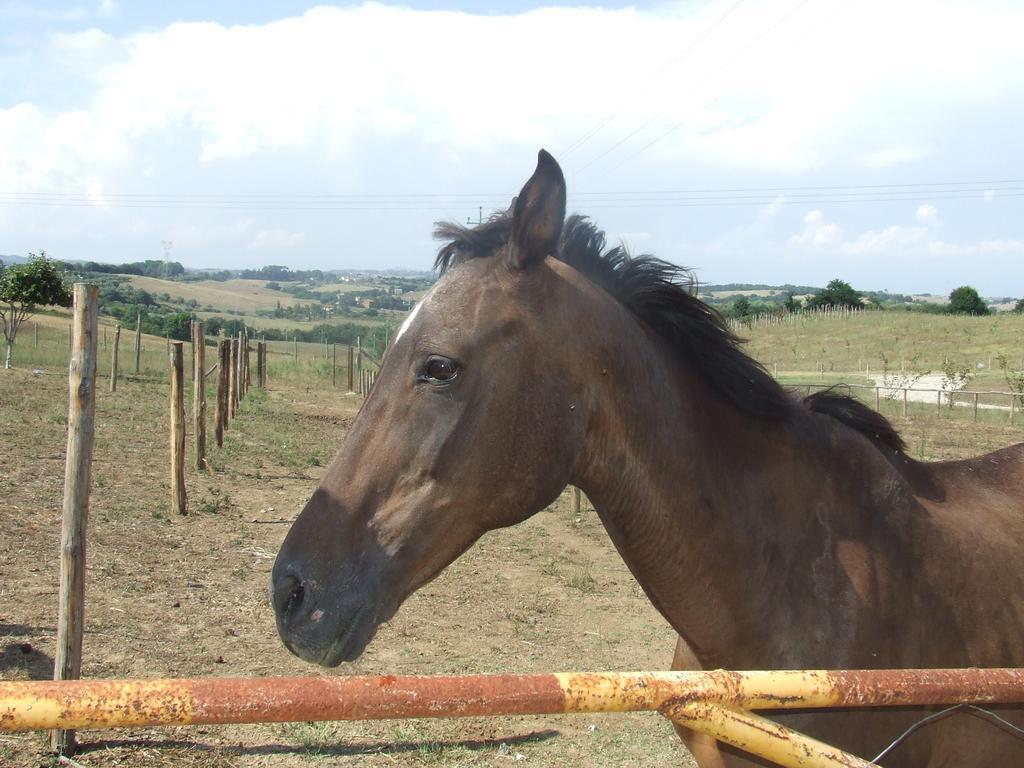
point(1019, 307)
point(836, 294)
point(23, 288)
point(791, 304)
point(741, 307)
point(966, 301)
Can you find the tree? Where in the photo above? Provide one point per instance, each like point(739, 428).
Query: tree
point(836, 294)
point(23, 287)
point(741, 307)
point(1019, 307)
point(791, 304)
point(966, 301)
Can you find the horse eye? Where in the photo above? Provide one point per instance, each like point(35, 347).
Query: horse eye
point(440, 369)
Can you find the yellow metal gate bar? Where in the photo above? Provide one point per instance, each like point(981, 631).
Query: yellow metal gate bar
point(713, 702)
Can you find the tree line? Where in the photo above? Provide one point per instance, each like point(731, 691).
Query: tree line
point(964, 300)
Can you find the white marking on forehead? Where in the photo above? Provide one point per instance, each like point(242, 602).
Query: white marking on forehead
point(412, 315)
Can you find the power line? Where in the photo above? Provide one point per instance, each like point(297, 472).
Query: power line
point(752, 43)
point(824, 195)
point(707, 104)
point(657, 76)
point(994, 185)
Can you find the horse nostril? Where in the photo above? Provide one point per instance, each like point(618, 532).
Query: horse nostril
point(289, 595)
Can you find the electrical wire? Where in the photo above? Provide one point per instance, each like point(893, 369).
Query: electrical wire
point(657, 76)
point(676, 126)
point(751, 44)
point(972, 709)
point(597, 200)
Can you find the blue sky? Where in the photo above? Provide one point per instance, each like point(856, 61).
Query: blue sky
point(754, 140)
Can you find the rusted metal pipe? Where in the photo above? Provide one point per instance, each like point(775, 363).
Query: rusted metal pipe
point(760, 736)
point(83, 704)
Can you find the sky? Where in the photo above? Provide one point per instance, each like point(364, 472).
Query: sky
point(759, 141)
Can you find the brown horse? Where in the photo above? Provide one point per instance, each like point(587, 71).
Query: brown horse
point(771, 532)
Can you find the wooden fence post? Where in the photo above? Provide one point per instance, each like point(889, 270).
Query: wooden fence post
point(259, 364)
point(113, 364)
point(177, 375)
point(975, 406)
point(878, 405)
point(577, 505)
point(77, 477)
point(199, 392)
point(938, 402)
point(221, 410)
point(351, 369)
point(904, 402)
point(334, 365)
point(138, 341)
point(233, 380)
point(246, 378)
point(359, 361)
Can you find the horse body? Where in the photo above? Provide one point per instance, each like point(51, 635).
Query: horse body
point(772, 534)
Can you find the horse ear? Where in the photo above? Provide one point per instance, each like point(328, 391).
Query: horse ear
point(538, 214)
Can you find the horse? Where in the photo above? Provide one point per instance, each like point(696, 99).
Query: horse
point(771, 531)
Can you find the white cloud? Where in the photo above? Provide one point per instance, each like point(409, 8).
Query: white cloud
point(276, 240)
point(893, 156)
point(891, 239)
point(335, 78)
point(817, 232)
point(928, 215)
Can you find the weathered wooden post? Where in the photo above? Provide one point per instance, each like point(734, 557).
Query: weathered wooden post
point(221, 409)
point(904, 402)
point(878, 406)
point(295, 347)
point(77, 477)
point(259, 364)
point(938, 402)
point(1013, 403)
point(177, 375)
point(138, 341)
point(113, 364)
point(351, 369)
point(975, 406)
point(577, 504)
point(248, 367)
point(233, 380)
point(199, 392)
point(334, 365)
point(359, 360)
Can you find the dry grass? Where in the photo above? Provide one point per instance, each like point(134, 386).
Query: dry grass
point(173, 596)
point(236, 294)
point(170, 596)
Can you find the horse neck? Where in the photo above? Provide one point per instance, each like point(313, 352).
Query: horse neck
point(699, 499)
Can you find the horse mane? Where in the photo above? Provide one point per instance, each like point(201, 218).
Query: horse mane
point(854, 414)
point(663, 297)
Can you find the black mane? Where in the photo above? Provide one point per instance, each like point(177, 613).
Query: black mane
point(662, 296)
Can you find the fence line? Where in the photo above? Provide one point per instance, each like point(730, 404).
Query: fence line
point(716, 702)
point(951, 395)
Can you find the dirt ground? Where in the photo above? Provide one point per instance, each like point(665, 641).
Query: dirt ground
point(187, 596)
